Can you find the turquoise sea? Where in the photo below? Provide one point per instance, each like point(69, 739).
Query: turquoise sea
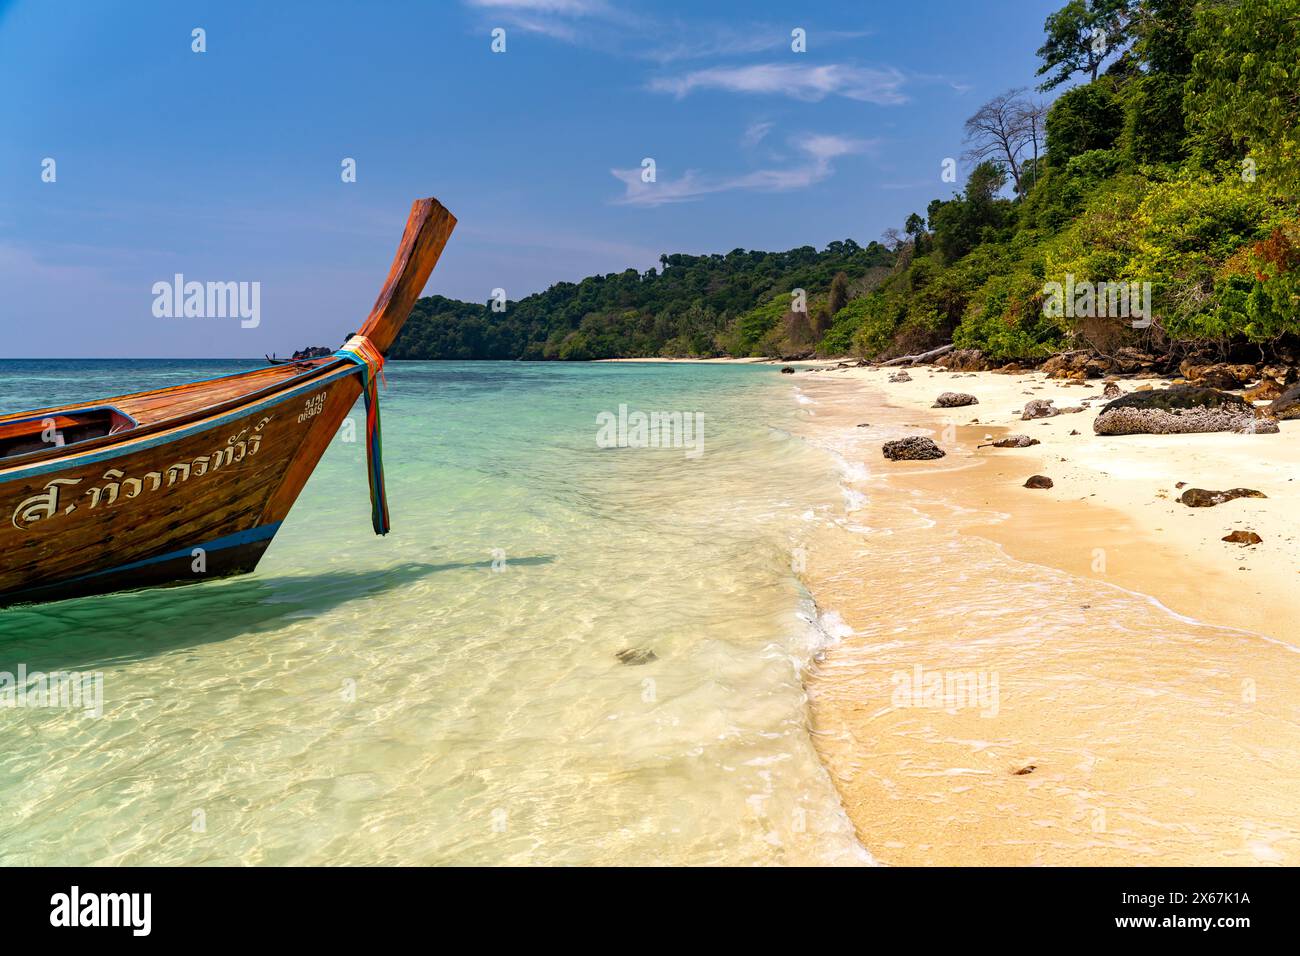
point(454, 692)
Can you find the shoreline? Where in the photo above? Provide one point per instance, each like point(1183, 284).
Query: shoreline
point(1129, 485)
point(1142, 708)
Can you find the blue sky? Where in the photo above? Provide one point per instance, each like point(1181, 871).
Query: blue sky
point(225, 165)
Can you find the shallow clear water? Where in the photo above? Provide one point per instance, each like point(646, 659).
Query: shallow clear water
point(400, 700)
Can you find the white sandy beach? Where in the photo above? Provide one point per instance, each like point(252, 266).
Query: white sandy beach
point(1127, 683)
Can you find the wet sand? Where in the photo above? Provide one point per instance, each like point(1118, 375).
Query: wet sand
point(1098, 632)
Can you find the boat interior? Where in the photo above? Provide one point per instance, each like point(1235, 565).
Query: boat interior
point(31, 435)
point(60, 429)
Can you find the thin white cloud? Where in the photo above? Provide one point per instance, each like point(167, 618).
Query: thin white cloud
point(550, 28)
point(697, 41)
point(820, 150)
point(880, 85)
point(625, 29)
point(755, 133)
point(568, 7)
point(557, 19)
point(826, 146)
point(693, 41)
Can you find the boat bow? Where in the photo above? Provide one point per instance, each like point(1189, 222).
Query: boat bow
point(427, 230)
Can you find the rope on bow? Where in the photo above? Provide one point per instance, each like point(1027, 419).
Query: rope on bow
point(368, 359)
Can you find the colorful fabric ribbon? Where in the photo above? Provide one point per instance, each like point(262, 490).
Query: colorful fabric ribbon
point(362, 351)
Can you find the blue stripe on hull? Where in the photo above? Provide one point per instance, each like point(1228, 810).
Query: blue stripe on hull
point(260, 533)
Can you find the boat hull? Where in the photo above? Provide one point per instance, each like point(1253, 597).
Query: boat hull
point(192, 504)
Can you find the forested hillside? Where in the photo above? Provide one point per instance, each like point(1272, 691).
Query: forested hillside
point(1170, 155)
point(691, 305)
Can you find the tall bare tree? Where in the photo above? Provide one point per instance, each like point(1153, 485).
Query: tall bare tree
point(997, 133)
point(1029, 119)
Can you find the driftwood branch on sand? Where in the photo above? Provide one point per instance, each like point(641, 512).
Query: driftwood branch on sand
point(919, 357)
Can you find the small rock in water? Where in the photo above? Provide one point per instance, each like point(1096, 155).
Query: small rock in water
point(787, 371)
point(1201, 498)
point(1038, 481)
point(912, 448)
point(954, 400)
point(1243, 537)
point(632, 656)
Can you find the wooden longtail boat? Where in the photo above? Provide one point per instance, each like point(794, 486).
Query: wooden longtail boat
point(191, 482)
